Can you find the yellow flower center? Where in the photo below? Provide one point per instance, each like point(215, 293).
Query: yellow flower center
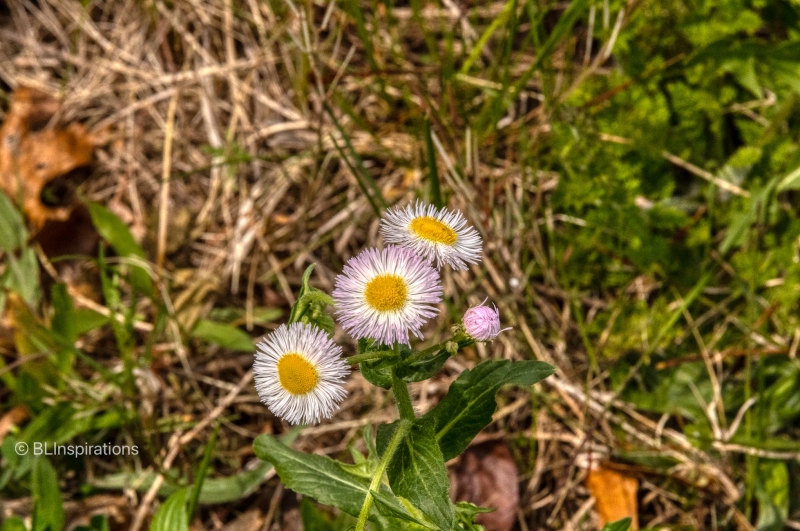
point(433, 230)
point(296, 374)
point(386, 293)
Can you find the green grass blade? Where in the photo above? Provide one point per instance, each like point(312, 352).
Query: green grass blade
point(201, 473)
point(562, 29)
point(487, 34)
point(364, 179)
point(433, 172)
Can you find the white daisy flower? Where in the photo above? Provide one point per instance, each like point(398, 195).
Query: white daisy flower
point(436, 235)
point(298, 373)
point(384, 294)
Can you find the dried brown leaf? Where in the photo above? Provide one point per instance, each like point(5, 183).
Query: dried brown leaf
point(487, 476)
point(32, 154)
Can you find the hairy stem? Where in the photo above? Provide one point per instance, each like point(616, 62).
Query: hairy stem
point(460, 339)
point(403, 398)
point(403, 426)
point(369, 356)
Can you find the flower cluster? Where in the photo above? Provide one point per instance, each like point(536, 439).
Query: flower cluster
point(382, 295)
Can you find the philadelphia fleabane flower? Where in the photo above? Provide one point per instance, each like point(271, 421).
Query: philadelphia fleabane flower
point(482, 323)
point(439, 236)
point(385, 294)
point(298, 373)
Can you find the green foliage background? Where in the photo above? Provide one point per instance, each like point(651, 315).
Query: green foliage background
point(692, 91)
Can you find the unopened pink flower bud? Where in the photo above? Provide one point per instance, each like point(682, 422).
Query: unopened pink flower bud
point(482, 323)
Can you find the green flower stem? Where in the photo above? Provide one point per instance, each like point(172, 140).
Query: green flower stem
point(403, 398)
point(418, 355)
point(461, 339)
point(403, 427)
point(369, 356)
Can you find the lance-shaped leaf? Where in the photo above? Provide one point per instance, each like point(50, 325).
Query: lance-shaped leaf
point(417, 472)
point(468, 406)
point(171, 516)
point(326, 480)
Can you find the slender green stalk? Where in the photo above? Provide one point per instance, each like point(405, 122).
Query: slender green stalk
point(201, 473)
point(403, 426)
point(433, 173)
point(369, 356)
point(461, 339)
point(404, 404)
point(475, 53)
point(422, 353)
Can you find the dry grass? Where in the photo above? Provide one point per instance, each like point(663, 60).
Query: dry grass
point(181, 90)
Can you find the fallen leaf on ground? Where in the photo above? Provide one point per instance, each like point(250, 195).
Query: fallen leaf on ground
point(32, 154)
point(251, 520)
point(487, 476)
point(614, 494)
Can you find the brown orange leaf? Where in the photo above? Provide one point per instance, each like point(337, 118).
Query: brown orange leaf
point(33, 154)
point(614, 494)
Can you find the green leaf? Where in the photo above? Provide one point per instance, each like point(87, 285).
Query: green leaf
point(427, 367)
point(772, 493)
point(213, 491)
point(313, 518)
point(619, 525)
point(86, 320)
point(743, 221)
point(326, 480)
point(313, 475)
point(378, 372)
point(114, 231)
point(117, 233)
point(15, 523)
point(99, 522)
point(13, 234)
point(22, 275)
point(223, 335)
point(791, 181)
point(48, 511)
point(466, 513)
point(417, 472)
point(396, 508)
point(197, 488)
point(468, 406)
point(423, 369)
point(171, 516)
point(64, 323)
point(235, 315)
point(50, 424)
